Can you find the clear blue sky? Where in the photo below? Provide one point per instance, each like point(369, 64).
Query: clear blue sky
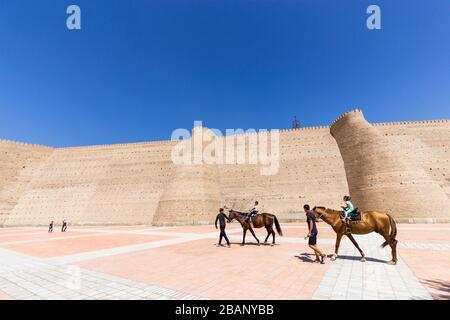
point(140, 68)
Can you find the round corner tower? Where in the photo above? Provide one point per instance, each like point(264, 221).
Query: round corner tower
point(193, 193)
point(379, 176)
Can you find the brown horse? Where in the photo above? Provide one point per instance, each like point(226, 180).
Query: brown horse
point(371, 221)
point(260, 220)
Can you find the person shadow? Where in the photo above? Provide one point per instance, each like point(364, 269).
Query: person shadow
point(306, 257)
point(248, 244)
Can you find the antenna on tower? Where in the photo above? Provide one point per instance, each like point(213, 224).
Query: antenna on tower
point(295, 123)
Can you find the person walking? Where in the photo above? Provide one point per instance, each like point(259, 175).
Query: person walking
point(222, 217)
point(50, 227)
point(312, 234)
point(64, 225)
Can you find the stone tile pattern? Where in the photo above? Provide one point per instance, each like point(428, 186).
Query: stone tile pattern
point(348, 278)
point(25, 278)
point(148, 270)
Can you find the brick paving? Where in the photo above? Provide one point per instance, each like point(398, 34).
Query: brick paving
point(146, 262)
point(348, 278)
point(24, 277)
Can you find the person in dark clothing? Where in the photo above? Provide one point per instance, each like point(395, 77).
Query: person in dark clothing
point(221, 217)
point(50, 227)
point(64, 225)
point(312, 234)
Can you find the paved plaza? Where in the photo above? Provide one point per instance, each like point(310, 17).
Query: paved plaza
point(145, 262)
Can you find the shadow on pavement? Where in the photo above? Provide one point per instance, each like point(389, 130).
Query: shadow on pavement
point(306, 257)
point(357, 258)
point(442, 286)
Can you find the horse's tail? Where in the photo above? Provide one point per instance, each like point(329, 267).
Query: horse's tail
point(393, 233)
point(277, 225)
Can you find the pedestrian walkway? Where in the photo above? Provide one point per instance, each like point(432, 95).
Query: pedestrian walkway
point(146, 262)
point(23, 277)
point(348, 278)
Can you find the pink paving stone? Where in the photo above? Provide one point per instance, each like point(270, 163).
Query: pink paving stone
point(429, 236)
point(325, 231)
point(250, 272)
point(198, 229)
point(43, 235)
point(200, 268)
point(425, 225)
point(138, 227)
point(48, 249)
point(6, 231)
point(4, 296)
point(432, 268)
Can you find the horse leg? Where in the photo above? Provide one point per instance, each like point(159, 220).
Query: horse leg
point(254, 235)
point(336, 246)
point(268, 234)
point(393, 244)
point(363, 258)
point(270, 229)
point(243, 238)
point(394, 251)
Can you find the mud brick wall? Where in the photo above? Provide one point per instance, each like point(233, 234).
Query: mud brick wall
point(396, 172)
point(400, 167)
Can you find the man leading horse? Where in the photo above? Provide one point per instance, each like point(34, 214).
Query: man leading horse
point(371, 221)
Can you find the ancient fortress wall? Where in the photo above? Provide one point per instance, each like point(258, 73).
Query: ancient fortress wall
point(394, 173)
point(19, 165)
point(192, 195)
point(427, 143)
point(400, 167)
point(117, 184)
point(311, 171)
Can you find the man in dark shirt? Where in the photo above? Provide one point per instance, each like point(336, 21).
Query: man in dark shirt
point(221, 217)
point(64, 225)
point(312, 234)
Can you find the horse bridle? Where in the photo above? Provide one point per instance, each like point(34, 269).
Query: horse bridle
point(318, 217)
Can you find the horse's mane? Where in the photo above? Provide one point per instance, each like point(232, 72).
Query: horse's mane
point(326, 209)
point(237, 211)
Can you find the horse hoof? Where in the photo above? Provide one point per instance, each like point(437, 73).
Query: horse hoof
point(333, 258)
point(363, 259)
point(392, 263)
point(272, 244)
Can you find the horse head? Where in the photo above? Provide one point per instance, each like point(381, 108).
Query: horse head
point(319, 211)
point(325, 214)
point(232, 214)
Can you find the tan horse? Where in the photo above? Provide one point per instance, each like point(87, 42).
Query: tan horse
point(371, 221)
point(266, 220)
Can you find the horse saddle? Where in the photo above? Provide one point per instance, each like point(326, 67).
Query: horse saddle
point(252, 217)
point(355, 215)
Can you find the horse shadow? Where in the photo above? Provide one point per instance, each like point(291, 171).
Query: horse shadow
point(357, 258)
point(306, 257)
